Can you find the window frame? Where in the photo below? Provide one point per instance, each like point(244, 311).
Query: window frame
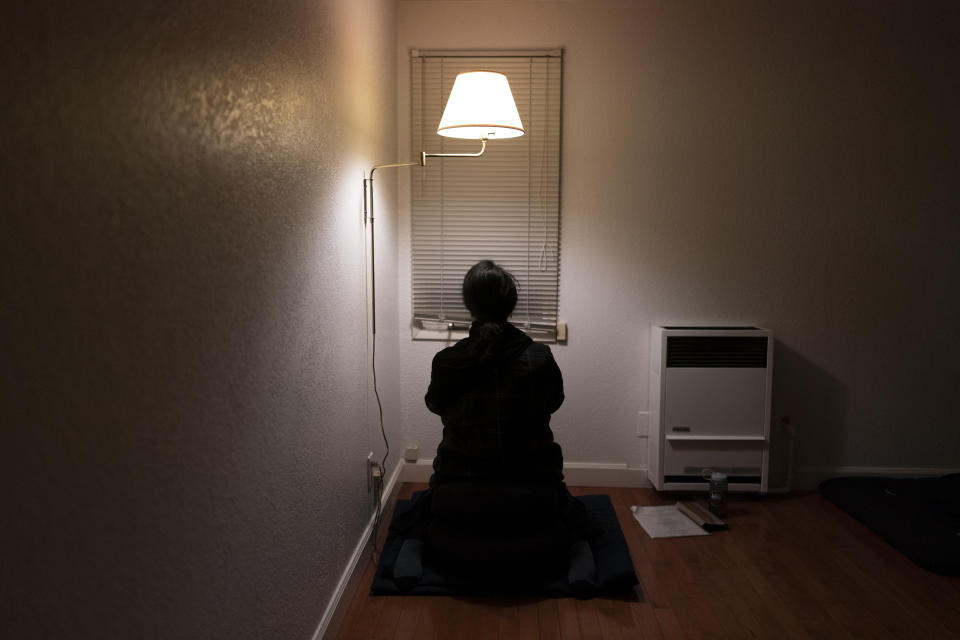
point(542, 323)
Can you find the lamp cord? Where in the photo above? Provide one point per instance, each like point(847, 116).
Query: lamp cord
point(378, 486)
point(368, 193)
point(373, 314)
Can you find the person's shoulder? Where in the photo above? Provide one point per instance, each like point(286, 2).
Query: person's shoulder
point(539, 348)
point(539, 351)
point(452, 354)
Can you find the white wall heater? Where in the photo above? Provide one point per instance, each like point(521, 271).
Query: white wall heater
point(710, 406)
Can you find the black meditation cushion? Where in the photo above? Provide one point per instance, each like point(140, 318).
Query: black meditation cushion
point(918, 516)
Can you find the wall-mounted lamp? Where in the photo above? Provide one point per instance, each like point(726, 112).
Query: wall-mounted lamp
point(480, 107)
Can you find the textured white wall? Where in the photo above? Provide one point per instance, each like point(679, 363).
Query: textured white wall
point(184, 379)
point(790, 165)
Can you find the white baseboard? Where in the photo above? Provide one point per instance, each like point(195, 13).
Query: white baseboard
point(808, 478)
point(604, 474)
point(576, 474)
point(349, 581)
point(419, 471)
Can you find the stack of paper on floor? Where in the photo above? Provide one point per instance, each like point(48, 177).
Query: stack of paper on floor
point(677, 520)
point(666, 522)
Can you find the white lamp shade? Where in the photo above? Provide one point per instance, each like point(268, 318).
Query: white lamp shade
point(480, 106)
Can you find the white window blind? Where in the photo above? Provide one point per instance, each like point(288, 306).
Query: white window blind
point(503, 206)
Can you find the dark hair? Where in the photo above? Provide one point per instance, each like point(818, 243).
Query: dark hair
point(489, 292)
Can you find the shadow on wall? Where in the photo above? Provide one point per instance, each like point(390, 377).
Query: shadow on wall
point(815, 404)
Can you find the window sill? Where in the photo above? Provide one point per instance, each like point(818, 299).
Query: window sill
point(453, 335)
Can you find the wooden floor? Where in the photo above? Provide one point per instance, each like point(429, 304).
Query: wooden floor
point(789, 567)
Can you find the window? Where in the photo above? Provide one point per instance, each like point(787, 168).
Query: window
point(503, 206)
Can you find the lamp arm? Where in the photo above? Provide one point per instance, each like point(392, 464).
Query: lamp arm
point(424, 155)
point(368, 184)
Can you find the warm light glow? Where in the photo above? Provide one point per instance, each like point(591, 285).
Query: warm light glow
point(480, 106)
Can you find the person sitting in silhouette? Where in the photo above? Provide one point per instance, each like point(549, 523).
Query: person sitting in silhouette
point(497, 505)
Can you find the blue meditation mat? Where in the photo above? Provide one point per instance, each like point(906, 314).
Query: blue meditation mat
point(614, 567)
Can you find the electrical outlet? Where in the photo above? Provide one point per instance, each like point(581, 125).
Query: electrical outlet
point(370, 464)
point(643, 424)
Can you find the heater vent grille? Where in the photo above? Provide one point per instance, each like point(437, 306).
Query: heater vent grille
point(698, 479)
point(717, 351)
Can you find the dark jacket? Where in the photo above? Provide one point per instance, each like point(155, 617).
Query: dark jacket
point(498, 474)
point(495, 398)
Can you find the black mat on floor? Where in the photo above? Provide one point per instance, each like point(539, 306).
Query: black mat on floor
point(614, 566)
point(918, 516)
